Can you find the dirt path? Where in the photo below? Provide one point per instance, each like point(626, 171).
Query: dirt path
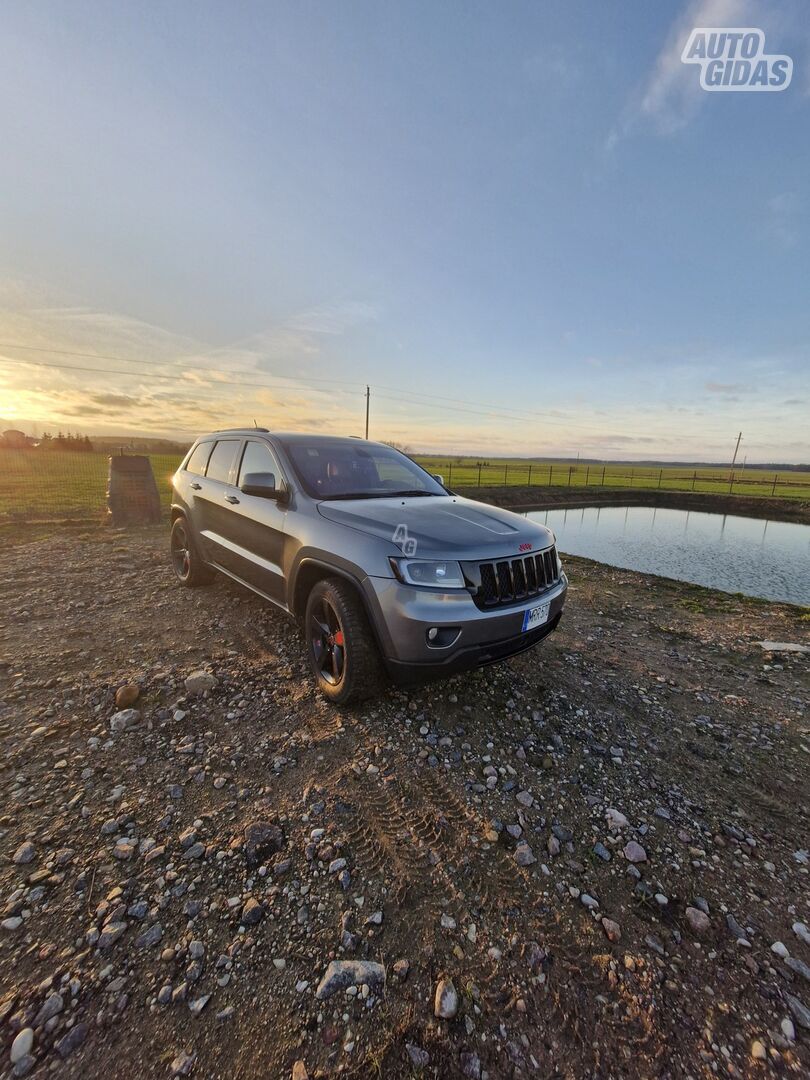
point(145, 937)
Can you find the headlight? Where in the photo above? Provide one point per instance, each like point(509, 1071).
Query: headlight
point(436, 575)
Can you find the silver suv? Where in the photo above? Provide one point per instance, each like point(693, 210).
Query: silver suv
point(387, 570)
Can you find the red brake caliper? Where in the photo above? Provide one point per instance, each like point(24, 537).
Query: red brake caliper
point(338, 638)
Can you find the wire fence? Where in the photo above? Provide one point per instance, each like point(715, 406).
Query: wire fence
point(40, 485)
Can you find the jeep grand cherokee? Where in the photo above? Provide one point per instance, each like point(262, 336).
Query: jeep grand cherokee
point(386, 569)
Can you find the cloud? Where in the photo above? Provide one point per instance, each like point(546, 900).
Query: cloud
point(668, 99)
point(725, 388)
point(781, 220)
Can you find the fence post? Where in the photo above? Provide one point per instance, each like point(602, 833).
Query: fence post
point(450, 476)
point(570, 468)
point(694, 478)
point(731, 482)
point(603, 476)
point(479, 474)
point(549, 474)
point(587, 475)
point(775, 479)
point(505, 474)
point(530, 474)
point(660, 474)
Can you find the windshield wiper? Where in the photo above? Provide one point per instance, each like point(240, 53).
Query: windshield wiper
point(412, 492)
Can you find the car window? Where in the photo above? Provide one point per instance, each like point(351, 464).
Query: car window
point(223, 458)
point(259, 458)
point(343, 468)
point(199, 457)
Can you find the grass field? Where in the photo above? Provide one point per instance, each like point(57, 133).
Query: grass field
point(47, 484)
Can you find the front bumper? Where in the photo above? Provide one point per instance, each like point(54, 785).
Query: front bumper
point(404, 614)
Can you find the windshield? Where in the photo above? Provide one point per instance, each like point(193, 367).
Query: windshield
point(344, 469)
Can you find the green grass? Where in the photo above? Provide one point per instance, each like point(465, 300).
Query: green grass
point(461, 472)
point(49, 484)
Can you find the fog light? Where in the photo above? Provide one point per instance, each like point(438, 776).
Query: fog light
point(433, 633)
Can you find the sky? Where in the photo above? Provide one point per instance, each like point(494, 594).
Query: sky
point(523, 225)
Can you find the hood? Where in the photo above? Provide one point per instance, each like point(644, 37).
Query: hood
point(443, 527)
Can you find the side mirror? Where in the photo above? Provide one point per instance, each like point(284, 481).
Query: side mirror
point(263, 486)
point(439, 477)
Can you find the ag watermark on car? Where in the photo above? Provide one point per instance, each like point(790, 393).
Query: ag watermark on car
point(734, 58)
point(407, 543)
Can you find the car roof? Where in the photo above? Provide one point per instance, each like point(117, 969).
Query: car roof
point(290, 436)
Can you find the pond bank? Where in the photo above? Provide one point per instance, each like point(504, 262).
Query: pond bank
point(562, 498)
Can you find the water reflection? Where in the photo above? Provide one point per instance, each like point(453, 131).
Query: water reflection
point(770, 559)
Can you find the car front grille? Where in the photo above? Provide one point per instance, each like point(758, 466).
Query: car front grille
point(508, 581)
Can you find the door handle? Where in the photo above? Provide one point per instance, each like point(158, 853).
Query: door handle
point(231, 499)
point(197, 487)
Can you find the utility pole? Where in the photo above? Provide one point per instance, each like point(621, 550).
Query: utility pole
point(368, 396)
point(736, 448)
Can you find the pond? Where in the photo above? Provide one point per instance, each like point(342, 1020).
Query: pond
point(769, 559)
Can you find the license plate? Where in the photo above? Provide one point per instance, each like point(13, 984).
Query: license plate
point(536, 616)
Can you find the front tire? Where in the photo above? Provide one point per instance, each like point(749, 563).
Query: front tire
point(340, 643)
point(188, 566)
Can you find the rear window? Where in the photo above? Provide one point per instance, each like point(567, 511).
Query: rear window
point(199, 456)
point(222, 460)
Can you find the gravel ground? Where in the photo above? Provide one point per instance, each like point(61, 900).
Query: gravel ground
point(589, 861)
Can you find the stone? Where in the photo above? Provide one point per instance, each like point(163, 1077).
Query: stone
point(340, 974)
point(124, 848)
point(758, 1051)
point(52, 1006)
point(182, 1064)
point(72, 1040)
point(613, 932)
point(150, 937)
point(801, 931)
point(798, 967)
point(198, 682)
point(419, 1058)
point(601, 852)
point(634, 852)
point(780, 949)
point(525, 798)
point(196, 1007)
point(698, 921)
point(262, 839)
point(401, 969)
point(110, 933)
point(127, 695)
point(445, 1001)
point(616, 820)
point(470, 1064)
point(252, 913)
point(24, 854)
point(801, 1014)
point(299, 1071)
point(124, 720)
point(22, 1045)
point(524, 856)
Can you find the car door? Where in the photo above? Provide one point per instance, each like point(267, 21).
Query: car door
point(257, 527)
point(215, 500)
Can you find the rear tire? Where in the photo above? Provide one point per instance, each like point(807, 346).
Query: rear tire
point(341, 647)
point(189, 568)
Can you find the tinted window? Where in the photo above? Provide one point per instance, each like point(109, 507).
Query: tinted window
point(199, 456)
point(259, 458)
point(345, 468)
point(222, 459)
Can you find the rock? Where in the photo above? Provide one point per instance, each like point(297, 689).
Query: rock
point(525, 798)
point(798, 967)
point(124, 848)
point(72, 1040)
point(299, 1071)
point(196, 851)
point(588, 901)
point(553, 845)
point(783, 646)
point(262, 839)
point(445, 1002)
point(470, 1065)
point(758, 1051)
point(196, 1007)
point(125, 720)
point(602, 852)
point(634, 852)
point(401, 969)
point(52, 1006)
point(448, 922)
point(198, 682)
point(252, 913)
point(788, 1030)
point(698, 921)
point(801, 1014)
point(22, 1045)
point(182, 1064)
point(344, 973)
point(780, 949)
point(616, 820)
point(802, 932)
point(127, 695)
point(110, 933)
point(524, 856)
point(149, 937)
point(336, 865)
point(613, 931)
point(24, 854)
point(420, 1058)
